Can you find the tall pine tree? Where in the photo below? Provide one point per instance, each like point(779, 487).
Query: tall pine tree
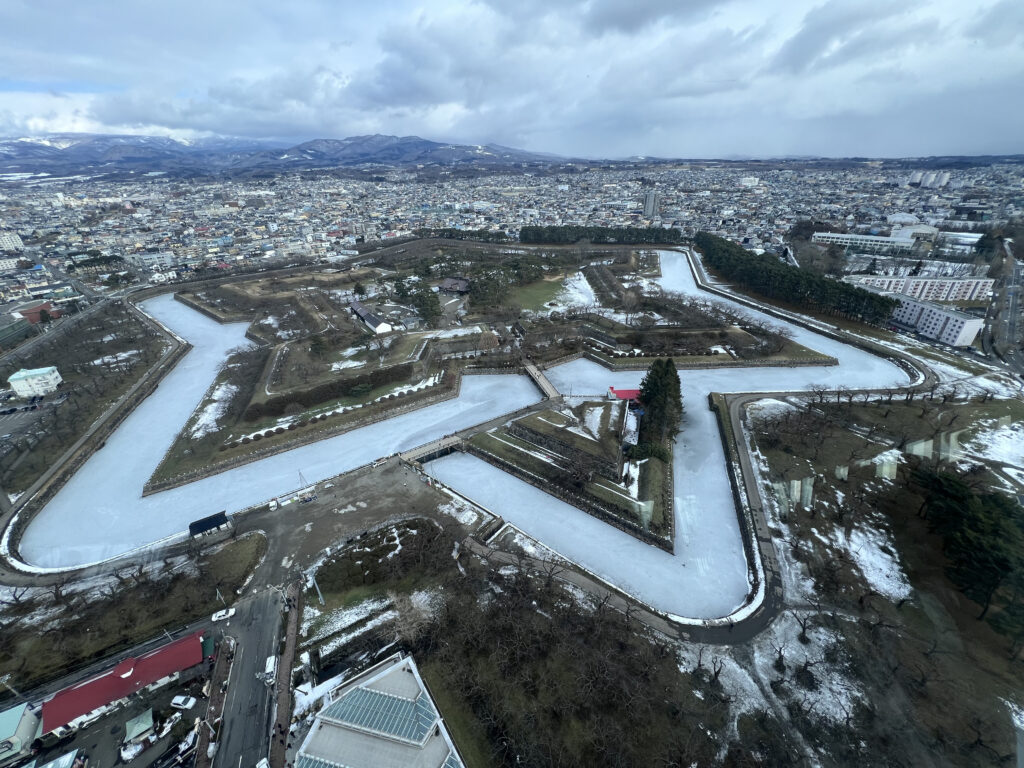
point(661, 397)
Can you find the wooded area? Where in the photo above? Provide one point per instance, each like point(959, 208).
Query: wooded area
point(566, 235)
point(769, 277)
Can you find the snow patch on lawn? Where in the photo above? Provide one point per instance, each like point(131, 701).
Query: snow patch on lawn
point(834, 695)
point(461, 511)
point(324, 625)
point(1005, 444)
point(576, 292)
point(342, 640)
point(769, 407)
point(120, 357)
point(207, 420)
point(341, 365)
point(872, 551)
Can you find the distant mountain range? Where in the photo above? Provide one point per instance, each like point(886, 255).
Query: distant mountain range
point(71, 153)
point(96, 155)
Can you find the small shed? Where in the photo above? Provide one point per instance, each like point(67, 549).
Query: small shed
point(631, 395)
point(454, 285)
point(206, 524)
point(139, 728)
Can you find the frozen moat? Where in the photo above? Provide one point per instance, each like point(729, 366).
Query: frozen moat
point(100, 513)
point(706, 577)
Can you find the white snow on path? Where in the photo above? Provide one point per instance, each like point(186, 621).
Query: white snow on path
point(100, 512)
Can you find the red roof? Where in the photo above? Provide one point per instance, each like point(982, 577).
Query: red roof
point(625, 394)
point(126, 678)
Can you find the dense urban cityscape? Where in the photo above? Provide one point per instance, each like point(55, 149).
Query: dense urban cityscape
point(477, 384)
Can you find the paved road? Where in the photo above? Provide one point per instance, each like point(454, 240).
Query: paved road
point(245, 729)
point(1003, 324)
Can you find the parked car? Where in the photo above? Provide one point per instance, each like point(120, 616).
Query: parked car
point(227, 613)
point(183, 702)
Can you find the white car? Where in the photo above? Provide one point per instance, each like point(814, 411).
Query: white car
point(227, 613)
point(183, 702)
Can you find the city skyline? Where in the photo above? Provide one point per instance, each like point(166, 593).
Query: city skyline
point(594, 79)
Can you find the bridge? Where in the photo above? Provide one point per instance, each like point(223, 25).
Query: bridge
point(542, 382)
point(433, 448)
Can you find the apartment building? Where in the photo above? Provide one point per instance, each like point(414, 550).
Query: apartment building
point(949, 326)
point(929, 288)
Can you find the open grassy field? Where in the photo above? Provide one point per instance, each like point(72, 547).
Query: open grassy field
point(535, 296)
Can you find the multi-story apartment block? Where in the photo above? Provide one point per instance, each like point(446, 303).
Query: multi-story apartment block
point(930, 288)
point(950, 326)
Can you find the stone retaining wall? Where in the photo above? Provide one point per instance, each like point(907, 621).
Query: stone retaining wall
point(313, 436)
point(589, 504)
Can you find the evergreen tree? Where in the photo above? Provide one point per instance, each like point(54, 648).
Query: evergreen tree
point(661, 397)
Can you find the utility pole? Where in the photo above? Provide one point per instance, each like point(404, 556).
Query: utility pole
point(319, 594)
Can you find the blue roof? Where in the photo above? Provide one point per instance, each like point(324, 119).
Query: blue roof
point(26, 372)
point(384, 713)
point(10, 719)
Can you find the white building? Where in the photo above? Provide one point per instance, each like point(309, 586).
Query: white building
point(161, 260)
point(29, 382)
point(865, 243)
point(929, 288)
point(6, 265)
point(386, 718)
point(958, 329)
point(10, 241)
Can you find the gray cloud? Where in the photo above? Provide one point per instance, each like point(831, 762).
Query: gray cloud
point(578, 77)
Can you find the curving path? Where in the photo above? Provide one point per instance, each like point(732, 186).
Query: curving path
point(100, 513)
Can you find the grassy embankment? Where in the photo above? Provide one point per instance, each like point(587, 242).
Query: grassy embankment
point(51, 632)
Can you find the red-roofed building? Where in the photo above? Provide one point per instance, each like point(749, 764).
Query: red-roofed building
point(623, 394)
point(128, 677)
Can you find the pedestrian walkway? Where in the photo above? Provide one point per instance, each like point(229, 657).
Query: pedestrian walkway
point(215, 706)
point(281, 734)
point(434, 446)
point(545, 386)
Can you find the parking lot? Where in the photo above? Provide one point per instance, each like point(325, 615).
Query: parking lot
point(24, 415)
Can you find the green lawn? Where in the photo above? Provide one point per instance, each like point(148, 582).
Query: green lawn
point(534, 296)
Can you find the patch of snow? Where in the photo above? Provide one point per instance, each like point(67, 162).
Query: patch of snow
point(1005, 444)
point(336, 621)
point(342, 640)
point(342, 364)
point(118, 358)
point(206, 422)
point(461, 511)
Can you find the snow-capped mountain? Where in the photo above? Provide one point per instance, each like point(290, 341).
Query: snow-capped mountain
point(95, 154)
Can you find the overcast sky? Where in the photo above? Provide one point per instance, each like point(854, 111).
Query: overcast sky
point(598, 78)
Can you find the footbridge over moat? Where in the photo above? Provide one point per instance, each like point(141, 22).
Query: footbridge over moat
point(433, 449)
point(542, 382)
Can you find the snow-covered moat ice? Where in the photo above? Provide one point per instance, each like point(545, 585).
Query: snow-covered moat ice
point(100, 513)
point(706, 577)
